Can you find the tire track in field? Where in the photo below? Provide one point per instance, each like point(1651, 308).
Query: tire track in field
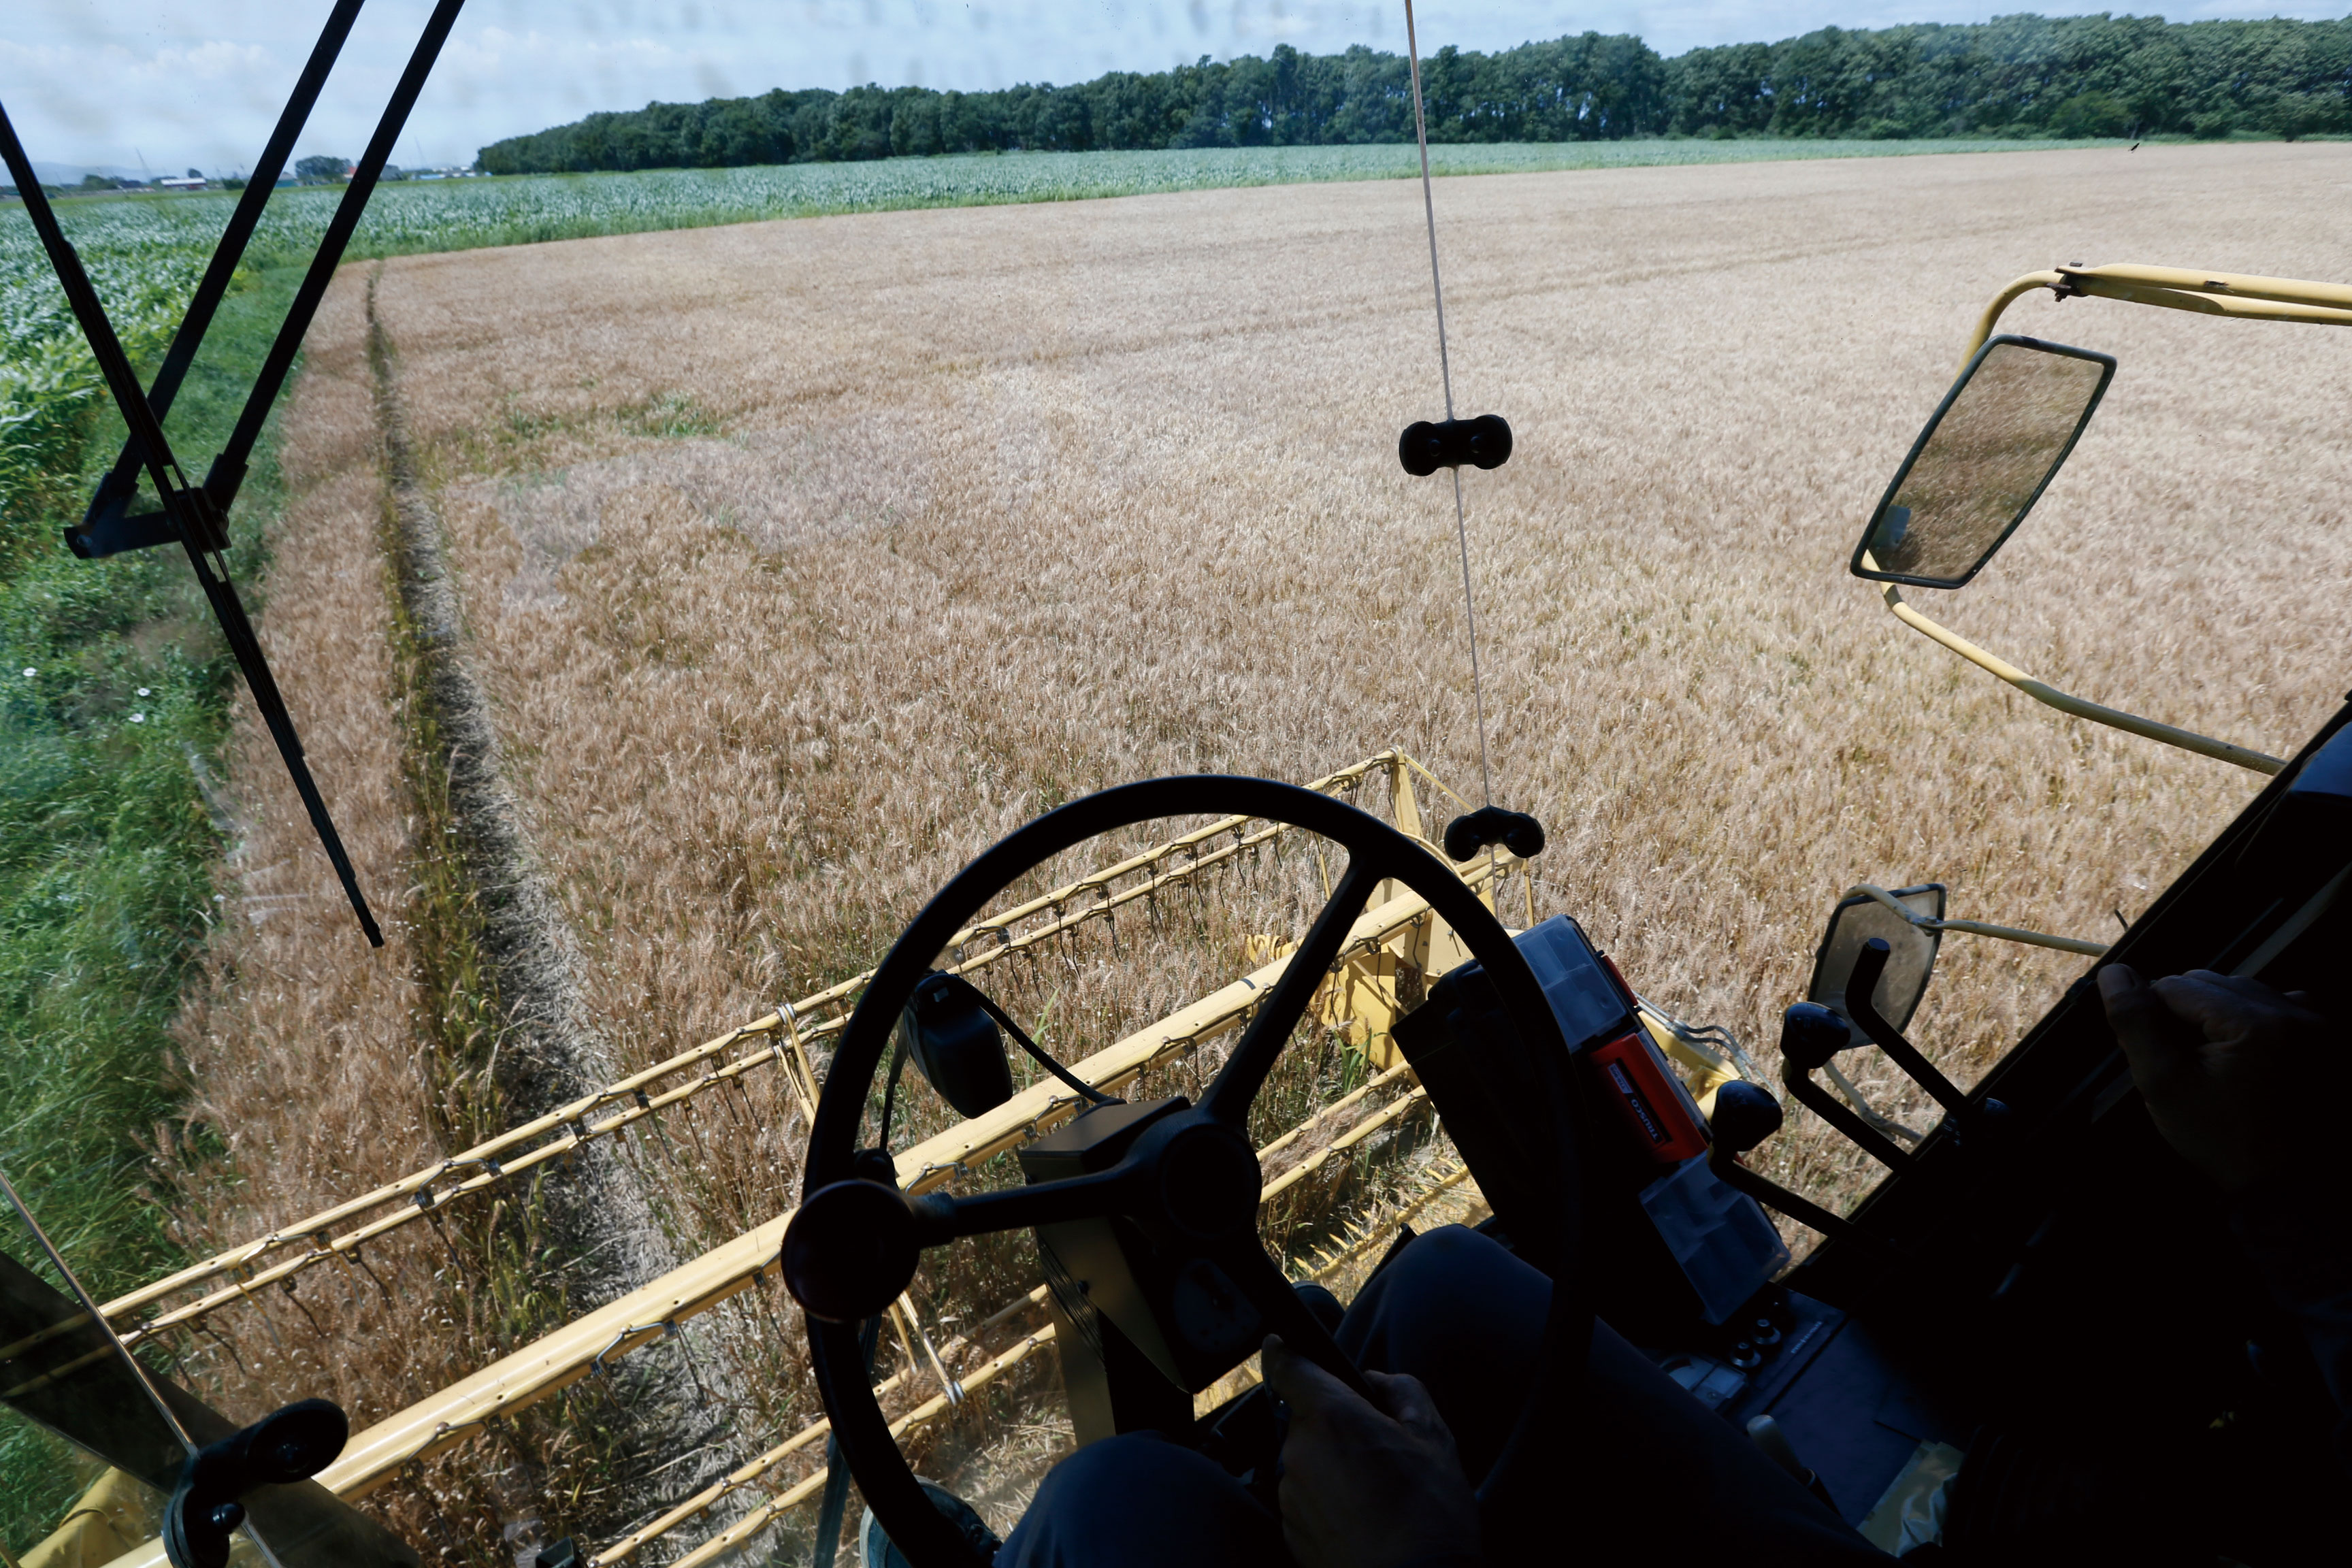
point(665, 1421)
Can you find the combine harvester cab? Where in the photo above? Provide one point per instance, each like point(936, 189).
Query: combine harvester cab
point(2016, 1347)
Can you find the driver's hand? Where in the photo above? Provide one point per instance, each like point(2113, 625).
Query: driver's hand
point(1365, 1486)
point(2224, 1063)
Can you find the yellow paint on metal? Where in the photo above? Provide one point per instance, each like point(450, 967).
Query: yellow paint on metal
point(1709, 1071)
point(1358, 1001)
point(2243, 295)
point(2002, 301)
point(1977, 928)
point(2234, 285)
point(112, 1518)
point(1364, 995)
point(2066, 702)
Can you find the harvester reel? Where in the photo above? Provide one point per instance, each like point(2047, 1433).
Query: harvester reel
point(854, 1244)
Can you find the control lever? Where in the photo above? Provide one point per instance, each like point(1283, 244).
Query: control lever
point(1868, 965)
point(1745, 1115)
point(1765, 1432)
point(1810, 1036)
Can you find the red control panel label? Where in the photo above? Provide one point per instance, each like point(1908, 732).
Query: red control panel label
point(1646, 1101)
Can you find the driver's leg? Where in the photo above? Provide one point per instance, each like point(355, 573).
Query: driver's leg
point(1643, 1460)
point(1462, 1315)
point(1140, 1501)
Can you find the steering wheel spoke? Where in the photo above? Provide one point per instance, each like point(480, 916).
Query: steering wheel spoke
point(941, 1218)
point(1237, 1083)
point(1260, 1282)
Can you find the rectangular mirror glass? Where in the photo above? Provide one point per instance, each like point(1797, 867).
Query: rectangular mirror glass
point(126, 1430)
point(1987, 452)
point(62, 1371)
point(1857, 919)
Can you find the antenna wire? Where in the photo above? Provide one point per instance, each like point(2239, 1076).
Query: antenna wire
point(1445, 375)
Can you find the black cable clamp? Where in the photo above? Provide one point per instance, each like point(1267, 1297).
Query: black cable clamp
point(1482, 443)
point(1522, 835)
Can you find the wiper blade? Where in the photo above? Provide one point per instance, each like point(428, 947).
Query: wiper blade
point(192, 517)
point(104, 529)
point(228, 472)
point(197, 515)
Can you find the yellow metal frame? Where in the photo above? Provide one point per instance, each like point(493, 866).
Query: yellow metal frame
point(2066, 702)
point(2240, 295)
point(2179, 289)
point(1398, 925)
point(1976, 928)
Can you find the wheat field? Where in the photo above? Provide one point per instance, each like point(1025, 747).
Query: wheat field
point(802, 560)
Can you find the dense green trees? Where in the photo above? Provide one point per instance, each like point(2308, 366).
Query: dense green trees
point(2080, 76)
point(2023, 75)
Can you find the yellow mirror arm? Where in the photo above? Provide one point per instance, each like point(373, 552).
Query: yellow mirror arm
point(2215, 305)
point(2066, 702)
point(2329, 303)
point(1978, 928)
point(2002, 301)
point(2242, 295)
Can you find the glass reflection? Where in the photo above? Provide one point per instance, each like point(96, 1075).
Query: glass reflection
point(1987, 457)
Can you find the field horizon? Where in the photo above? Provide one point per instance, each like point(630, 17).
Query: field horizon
point(411, 217)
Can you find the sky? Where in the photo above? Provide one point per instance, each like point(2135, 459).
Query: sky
point(197, 83)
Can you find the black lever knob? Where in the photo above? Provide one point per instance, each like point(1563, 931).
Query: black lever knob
point(284, 1446)
point(1811, 1034)
point(295, 1443)
point(1745, 1115)
point(850, 1249)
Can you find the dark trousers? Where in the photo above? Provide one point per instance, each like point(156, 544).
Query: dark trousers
point(1656, 1476)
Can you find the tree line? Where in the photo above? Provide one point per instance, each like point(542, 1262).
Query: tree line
point(2014, 76)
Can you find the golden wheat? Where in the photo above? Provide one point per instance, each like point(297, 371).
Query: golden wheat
point(976, 511)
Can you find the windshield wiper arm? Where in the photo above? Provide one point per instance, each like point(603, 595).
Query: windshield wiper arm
point(193, 519)
point(105, 529)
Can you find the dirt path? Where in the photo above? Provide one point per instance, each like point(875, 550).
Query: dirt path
point(546, 1049)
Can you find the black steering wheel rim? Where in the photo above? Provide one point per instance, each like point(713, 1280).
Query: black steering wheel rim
point(927, 1537)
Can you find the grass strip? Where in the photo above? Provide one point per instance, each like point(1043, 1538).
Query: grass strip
point(115, 694)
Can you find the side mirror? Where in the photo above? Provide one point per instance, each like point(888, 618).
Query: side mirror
point(1989, 451)
point(955, 1044)
point(290, 1445)
point(1856, 919)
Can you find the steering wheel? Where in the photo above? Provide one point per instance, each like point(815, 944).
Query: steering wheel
point(852, 1245)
